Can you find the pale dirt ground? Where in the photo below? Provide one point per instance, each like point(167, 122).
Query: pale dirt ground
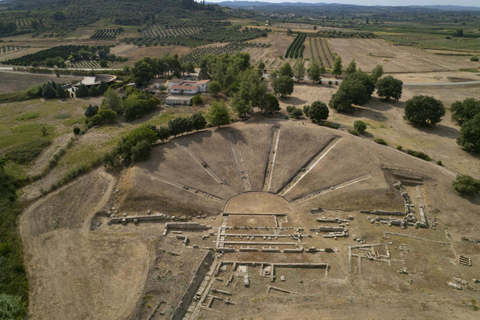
point(257, 202)
point(339, 295)
point(81, 274)
point(73, 272)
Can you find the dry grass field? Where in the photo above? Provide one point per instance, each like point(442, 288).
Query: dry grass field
point(370, 52)
point(15, 81)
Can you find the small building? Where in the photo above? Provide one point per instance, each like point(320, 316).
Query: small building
point(182, 100)
point(178, 86)
point(157, 83)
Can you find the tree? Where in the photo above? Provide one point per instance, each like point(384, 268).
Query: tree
point(271, 104)
point(377, 72)
point(141, 151)
point(360, 126)
point(49, 92)
point(470, 134)
point(198, 121)
point(214, 87)
point(91, 111)
point(82, 91)
point(60, 93)
point(142, 71)
point(389, 88)
point(112, 101)
point(299, 69)
point(93, 92)
point(306, 110)
point(102, 87)
point(142, 133)
point(251, 93)
point(197, 100)
point(218, 114)
point(318, 111)
point(76, 130)
point(283, 85)
point(341, 101)
point(466, 185)
point(177, 126)
point(465, 110)
point(352, 67)
point(289, 31)
point(203, 74)
point(424, 110)
point(314, 72)
point(163, 133)
point(285, 70)
point(337, 66)
point(297, 113)
point(261, 65)
point(104, 116)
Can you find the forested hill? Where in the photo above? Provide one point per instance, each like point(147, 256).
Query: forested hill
point(71, 13)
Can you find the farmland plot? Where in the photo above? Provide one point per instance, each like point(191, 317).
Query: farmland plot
point(370, 52)
point(158, 31)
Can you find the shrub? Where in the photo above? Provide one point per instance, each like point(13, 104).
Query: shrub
point(297, 113)
point(76, 130)
point(330, 82)
point(466, 185)
point(141, 151)
point(440, 163)
point(380, 141)
point(197, 100)
point(399, 147)
point(360, 126)
point(474, 59)
point(290, 109)
point(418, 154)
point(354, 132)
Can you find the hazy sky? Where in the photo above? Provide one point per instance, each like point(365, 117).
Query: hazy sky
point(475, 3)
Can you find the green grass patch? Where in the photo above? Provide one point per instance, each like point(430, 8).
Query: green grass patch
point(73, 121)
point(13, 279)
point(62, 116)
point(26, 152)
point(26, 133)
point(14, 97)
point(28, 116)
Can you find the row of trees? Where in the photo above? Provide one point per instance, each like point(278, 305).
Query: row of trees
point(94, 91)
point(148, 68)
point(467, 113)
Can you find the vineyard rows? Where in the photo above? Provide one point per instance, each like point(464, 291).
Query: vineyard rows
point(196, 55)
point(106, 33)
point(324, 53)
point(402, 39)
point(295, 49)
point(157, 31)
point(85, 64)
point(7, 49)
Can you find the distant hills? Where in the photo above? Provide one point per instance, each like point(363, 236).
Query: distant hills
point(264, 5)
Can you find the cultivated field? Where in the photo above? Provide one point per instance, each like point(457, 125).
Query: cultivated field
point(370, 52)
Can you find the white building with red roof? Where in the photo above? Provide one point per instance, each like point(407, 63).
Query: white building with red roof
point(177, 86)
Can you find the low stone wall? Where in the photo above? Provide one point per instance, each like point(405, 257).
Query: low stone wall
point(195, 283)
